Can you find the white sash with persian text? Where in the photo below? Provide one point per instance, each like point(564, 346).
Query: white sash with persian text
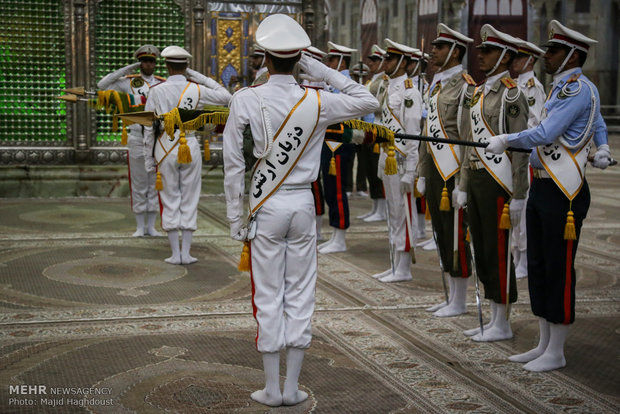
point(565, 168)
point(445, 156)
point(391, 121)
point(289, 144)
point(498, 165)
point(188, 100)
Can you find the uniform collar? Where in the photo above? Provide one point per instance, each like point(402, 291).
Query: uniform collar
point(398, 80)
point(148, 79)
point(177, 78)
point(524, 77)
point(491, 82)
point(560, 78)
point(376, 75)
point(282, 79)
point(448, 73)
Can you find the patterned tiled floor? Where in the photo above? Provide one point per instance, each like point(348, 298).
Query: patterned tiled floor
point(98, 320)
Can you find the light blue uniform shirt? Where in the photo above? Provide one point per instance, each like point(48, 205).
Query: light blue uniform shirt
point(566, 115)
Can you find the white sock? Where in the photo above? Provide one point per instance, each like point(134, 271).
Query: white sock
point(292, 395)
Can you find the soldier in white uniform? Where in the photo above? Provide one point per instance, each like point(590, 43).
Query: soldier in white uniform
point(523, 66)
point(144, 200)
point(258, 64)
point(401, 113)
point(282, 232)
point(185, 89)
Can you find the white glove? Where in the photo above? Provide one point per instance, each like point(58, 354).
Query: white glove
point(313, 68)
point(201, 79)
point(516, 208)
point(150, 164)
point(238, 230)
point(421, 185)
point(358, 136)
point(109, 79)
point(406, 182)
point(459, 198)
point(497, 144)
point(602, 157)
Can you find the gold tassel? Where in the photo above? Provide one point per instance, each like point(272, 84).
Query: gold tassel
point(427, 213)
point(159, 185)
point(444, 204)
point(124, 135)
point(376, 149)
point(184, 156)
point(332, 166)
point(244, 260)
point(468, 237)
point(504, 222)
point(416, 193)
point(391, 167)
point(569, 230)
point(207, 150)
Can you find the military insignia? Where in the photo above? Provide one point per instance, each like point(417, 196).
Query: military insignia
point(531, 101)
point(551, 34)
point(513, 111)
point(408, 103)
point(436, 89)
point(509, 82)
point(531, 83)
point(562, 95)
point(476, 98)
point(408, 83)
point(137, 82)
point(484, 36)
point(468, 79)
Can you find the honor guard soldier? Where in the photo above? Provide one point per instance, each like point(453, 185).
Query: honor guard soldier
point(401, 112)
point(368, 156)
point(440, 164)
point(523, 66)
point(281, 232)
point(257, 61)
point(317, 186)
point(494, 186)
point(559, 197)
point(144, 200)
point(337, 152)
point(185, 89)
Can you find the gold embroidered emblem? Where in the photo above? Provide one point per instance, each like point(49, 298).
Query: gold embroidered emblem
point(137, 82)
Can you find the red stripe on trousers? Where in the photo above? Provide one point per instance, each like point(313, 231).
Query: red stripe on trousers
point(501, 251)
point(129, 176)
point(339, 193)
point(317, 199)
point(161, 205)
point(407, 240)
point(568, 281)
point(461, 246)
point(254, 309)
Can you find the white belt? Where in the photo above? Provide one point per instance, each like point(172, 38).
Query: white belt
point(290, 187)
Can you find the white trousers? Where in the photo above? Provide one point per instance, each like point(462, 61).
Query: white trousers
point(397, 210)
point(144, 198)
point(181, 189)
point(519, 244)
point(284, 270)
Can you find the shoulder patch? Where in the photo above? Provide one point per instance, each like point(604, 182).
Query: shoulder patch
point(530, 83)
point(531, 101)
point(573, 77)
point(137, 82)
point(386, 77)
point(408, 83)
point(509, 82)
point(513, 110)
point(468, 79)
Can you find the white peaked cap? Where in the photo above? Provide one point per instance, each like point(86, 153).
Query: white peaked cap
point(393, 47)
point(447, 35)
point(146, 51)
point(493, 37)
point(356, 69)
point(376, 52)
point(281, 36)
point(562, 35)
point(257, 51)
point(339, 50)
point(528, 48)
point(314, 52)
point(175, 54)
point(416, 54)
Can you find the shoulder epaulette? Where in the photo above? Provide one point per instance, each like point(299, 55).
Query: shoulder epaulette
point(133, 75)
point(509, 82)
point(408, 83)
point(530, 83)
point(573, 77)
point(161, 78)
point(386, 77)
point(468, 79)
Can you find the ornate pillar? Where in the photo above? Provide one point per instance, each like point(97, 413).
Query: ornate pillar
point(308, 13)
point(80, 66)
point(198, 41)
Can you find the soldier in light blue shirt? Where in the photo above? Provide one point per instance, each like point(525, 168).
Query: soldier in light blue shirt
point(561, 147)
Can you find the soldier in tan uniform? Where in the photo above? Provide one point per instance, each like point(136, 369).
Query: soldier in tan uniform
point(490, 185)
point(439, 166)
